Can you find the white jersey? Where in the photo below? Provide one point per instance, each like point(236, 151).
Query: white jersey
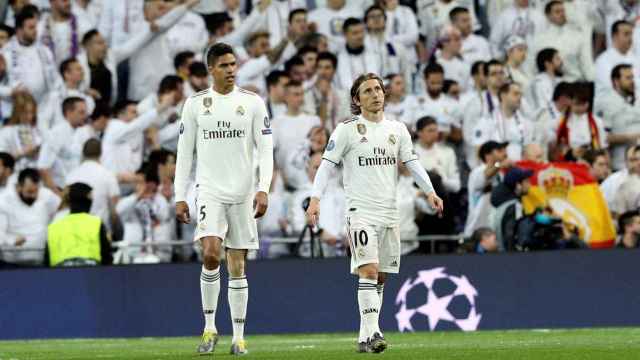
point(224, 130)
point(370, 153)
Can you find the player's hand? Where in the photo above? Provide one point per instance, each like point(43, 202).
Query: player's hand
point(260, 204)
point(182, 212)
point(20, 241)
point(313, 211)
point(435, 202)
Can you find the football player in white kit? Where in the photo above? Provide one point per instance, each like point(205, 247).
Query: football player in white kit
point(370, 147)
point(222, 125)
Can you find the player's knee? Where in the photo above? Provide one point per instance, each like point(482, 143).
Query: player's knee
point(369, 271)
point(236, 267)
point(211, 260)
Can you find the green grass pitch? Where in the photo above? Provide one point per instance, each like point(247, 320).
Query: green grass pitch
point(584, 344)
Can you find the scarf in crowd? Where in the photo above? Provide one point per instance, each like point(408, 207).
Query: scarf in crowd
point(47, 38)
point(563, 131)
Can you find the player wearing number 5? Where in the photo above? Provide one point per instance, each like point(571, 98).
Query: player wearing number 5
point(369, 147)
point(222, 125)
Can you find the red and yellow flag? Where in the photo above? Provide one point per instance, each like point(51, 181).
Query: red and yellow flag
point(574, 196)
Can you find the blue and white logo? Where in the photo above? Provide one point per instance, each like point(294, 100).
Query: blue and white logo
point(181, 128)
point(331, 145)
point(267, 122)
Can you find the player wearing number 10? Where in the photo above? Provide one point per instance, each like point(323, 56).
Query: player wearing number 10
point(223, 125)
point(370, 146)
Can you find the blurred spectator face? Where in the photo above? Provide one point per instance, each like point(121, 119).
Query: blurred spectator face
point(74, 73)
point(513, 97)
point(168, 169)
point(299, 24)
point(28, 115)
point(310, 61)
point(298, 73)
point(335, 4)
point(28, 33)
point(600, 169)
point(322, 44)
point(198, 83)
point(129, 113)
point(100, 123)
point(557, 15)
point(277, 91)
point(435, 82)
point(231, 5)
point(479, 79)
point(463, 23)
point(390, 4)
point(61, 7)
point(428, 135)
point(355, 36)
point(259, 47)
point(4, 38)
point(313, 165)
point(97, 47)
point(28, 191)
point(318, 139)
point(633, 162)
point(5, 173)
point(625, 83)
point(294, 97)
point(77, 115)
point(17, 5)
point(534, 152)
point(453, 43)
point(579, 107)
point(634, 227)
point(454, 91)
point(523, 187)
point(496, 76)
point(325, 70)
point(397, 86)
point(3, 66)
point(489, 242)
point(518, 54)
point(623, 39)
point(521, 3)
point(375, 21)
point(499, 154)
point(557, 65)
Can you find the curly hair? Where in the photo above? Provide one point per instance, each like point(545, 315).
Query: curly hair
point(355, 90)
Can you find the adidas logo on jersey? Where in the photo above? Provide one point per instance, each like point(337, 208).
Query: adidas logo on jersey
point(394, 263)
point(207, 112)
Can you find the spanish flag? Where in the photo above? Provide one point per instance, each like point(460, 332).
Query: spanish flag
point(574, 196)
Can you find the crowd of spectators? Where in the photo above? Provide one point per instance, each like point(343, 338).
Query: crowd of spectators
point(91, 92)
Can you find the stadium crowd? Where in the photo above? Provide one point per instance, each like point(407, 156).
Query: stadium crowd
point(91, 92)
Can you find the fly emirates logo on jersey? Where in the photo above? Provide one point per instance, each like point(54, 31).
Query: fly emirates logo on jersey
point(381, 157)
point(224, 131)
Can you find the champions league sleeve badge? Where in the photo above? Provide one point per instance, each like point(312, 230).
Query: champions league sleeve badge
point(267, 125)
point(181, 128)
point(331, 145)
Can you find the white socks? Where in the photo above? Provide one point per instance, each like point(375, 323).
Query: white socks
point(238, 297)
point(209, 292)
point(369, 305)
point(380, 288)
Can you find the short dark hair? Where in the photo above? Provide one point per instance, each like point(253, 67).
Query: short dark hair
point(28, 173)
point(198, 69)
point(169, 83)
point(349, 22)
point(490, 63)
point(453, 14)
point(550, 5)
point(217, 20)
point(8, 29)
point(617, 25)
point(432, 68)
point(355, 94)
point(631, 149)
point(69, 104)
point(182, 57)
point(151, 174)
point(160, 157)
point(122, 105)
point(424, 122)
point(477, 66)
point(101, 109)
point(295, 12)
point(88, 36)
point(448, 84)
point(217, 50)
point(544, 56)
point(373, 8)
point(7, 160)
point(591, 155)
point(294, 61)
point(328, 56)
point(293, 83)
point(64, 66)
point(505, 88)
point(480, 233)
point(28, 12)
point(92, 149)
point(616, 73)
point(274, 77)
point(626, 219)
point(306, 49)
point(563, 88)
point(581, 92)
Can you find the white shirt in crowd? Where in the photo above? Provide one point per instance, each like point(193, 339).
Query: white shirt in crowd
point(434, 15)
point(515, 21)
point(517, 130)
point(619, 117)
point(519, 75)
point(276, 18)
point(371, 166)
point(14, 139)
point(441, 159)
point(103, 183)
point(392, 57)
point(290, 132)
point(120, 20)
point(232, 124)
point(189, 34)
point(475, 48)
point(540, 91)
point(474, 107)
point(479, 201)
point(92, 12)
point(63, 38)
point(456, 69)
point(580, 133)
point(609, 60)
point(402, 29)
point(350, 66)
point(338, 106)
point(444, 109)
point(402, 111)
point(17, 219)
point(59, 153)
point(329, 23)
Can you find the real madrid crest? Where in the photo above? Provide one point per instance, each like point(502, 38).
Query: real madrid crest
point(392, 139)
point(240, 111)
point(361, 252)
point(362, 129)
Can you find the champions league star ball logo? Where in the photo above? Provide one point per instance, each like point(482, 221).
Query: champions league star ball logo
point(437, 301)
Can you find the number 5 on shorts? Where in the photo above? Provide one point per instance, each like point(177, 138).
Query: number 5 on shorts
point(202, 213)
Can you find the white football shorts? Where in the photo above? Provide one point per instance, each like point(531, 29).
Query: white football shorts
point(233, 223)
point(371, 244)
